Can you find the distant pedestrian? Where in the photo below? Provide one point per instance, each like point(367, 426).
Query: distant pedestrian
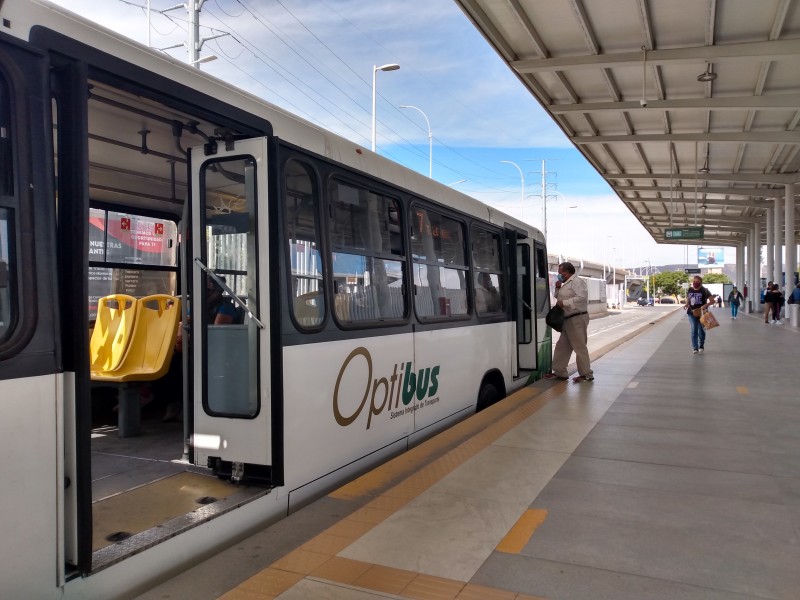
point(794, 297)
point(572, 294)
point(767, 302)
point(777, 303)
point(719, 301)
point(698, 298)
point(735, 298)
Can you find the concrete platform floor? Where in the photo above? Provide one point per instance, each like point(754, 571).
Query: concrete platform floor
point(671, 476)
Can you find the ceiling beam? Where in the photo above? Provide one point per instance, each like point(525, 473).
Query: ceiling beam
point(772, 50)
point(710, 220)
point(741, 177)
point(750, 192)
point(774, 102)
point(767, 137)
point(737, 202)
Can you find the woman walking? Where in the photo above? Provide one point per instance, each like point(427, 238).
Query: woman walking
point(698, 298)
point(734, 300)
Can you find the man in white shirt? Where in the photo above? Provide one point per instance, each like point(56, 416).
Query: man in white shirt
point(572, 295)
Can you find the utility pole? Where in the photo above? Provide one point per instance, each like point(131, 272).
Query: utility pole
point(194, 43)
point(193, 7)
point(544, 174)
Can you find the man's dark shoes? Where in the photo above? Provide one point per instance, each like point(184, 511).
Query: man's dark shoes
point(553, 376)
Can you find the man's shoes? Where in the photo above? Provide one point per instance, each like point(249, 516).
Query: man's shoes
point(554, 376)
point(582, 378)
point(701, 350)
point(695, 351)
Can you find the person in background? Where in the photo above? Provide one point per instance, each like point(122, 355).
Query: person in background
point(698, 298)
point(794, 297)
point(735, 298)
point(767, 301)
point(221, 311)
point(719, 301)
point(572, 294)
point(777, 303)
point(487, 298)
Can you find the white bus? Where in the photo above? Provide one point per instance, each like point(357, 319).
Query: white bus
point(377, 307)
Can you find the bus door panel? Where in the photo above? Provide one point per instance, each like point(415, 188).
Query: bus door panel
point(521, 288)
point(229, 303)
point(541, 304)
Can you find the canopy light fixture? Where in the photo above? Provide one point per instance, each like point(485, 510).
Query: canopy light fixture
point(704, 168)
point(708, 75)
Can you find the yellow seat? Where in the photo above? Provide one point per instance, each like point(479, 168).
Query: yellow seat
point(116, 315)
point(152, 341)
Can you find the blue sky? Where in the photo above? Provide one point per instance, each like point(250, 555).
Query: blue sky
point(315, 59)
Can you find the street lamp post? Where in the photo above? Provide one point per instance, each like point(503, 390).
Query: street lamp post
point(566, 224)
point(522, 188)
point(605, 242)
point(614, 275)
point(430, 138)
point(375, 69)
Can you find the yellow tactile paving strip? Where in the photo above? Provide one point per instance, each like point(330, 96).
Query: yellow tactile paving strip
point(522, 531)
point(318, 558)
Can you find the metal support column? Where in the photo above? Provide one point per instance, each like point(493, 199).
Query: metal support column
point(739, 282)
point(789, 239)
point(770, 225)
point(777, 271)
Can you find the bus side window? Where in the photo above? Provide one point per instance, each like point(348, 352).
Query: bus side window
point(438, 248)
point(302, 238)
point(7, 198)
point(368, 255)
point(6, 314)
point(489, 285)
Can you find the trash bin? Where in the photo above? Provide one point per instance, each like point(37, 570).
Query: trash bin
point(794, 314)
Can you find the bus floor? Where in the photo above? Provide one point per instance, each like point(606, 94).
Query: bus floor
point(142, 491)
point(672, 476)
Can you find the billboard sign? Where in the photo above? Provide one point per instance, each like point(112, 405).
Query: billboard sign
point(710, 256)
point(684, 233)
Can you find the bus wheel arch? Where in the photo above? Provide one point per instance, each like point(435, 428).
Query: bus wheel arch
point(491, 390)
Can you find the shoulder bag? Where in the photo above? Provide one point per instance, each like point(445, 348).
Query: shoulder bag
point(555, 318)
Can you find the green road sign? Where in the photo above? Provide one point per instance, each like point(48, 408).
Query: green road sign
point(684, 233)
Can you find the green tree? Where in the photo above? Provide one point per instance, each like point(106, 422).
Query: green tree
point(716, 278)
point(670, 282)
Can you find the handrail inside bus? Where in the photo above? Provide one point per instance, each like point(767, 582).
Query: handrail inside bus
point(231, 293)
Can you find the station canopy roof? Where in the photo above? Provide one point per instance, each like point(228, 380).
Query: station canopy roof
point(718, 138)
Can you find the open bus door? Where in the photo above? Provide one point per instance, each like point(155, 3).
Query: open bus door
point(521, 259)
point(231, 361)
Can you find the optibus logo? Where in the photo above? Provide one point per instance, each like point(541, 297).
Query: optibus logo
point(385, 392)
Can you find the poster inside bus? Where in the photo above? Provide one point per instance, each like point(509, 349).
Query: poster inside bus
point(125, 239)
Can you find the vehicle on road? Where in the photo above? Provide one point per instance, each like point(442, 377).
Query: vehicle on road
point(644, 301)
point(667, 300)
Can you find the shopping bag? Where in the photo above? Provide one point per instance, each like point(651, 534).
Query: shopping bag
point(555, 318)
point(697, 312)
point(708, 320)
